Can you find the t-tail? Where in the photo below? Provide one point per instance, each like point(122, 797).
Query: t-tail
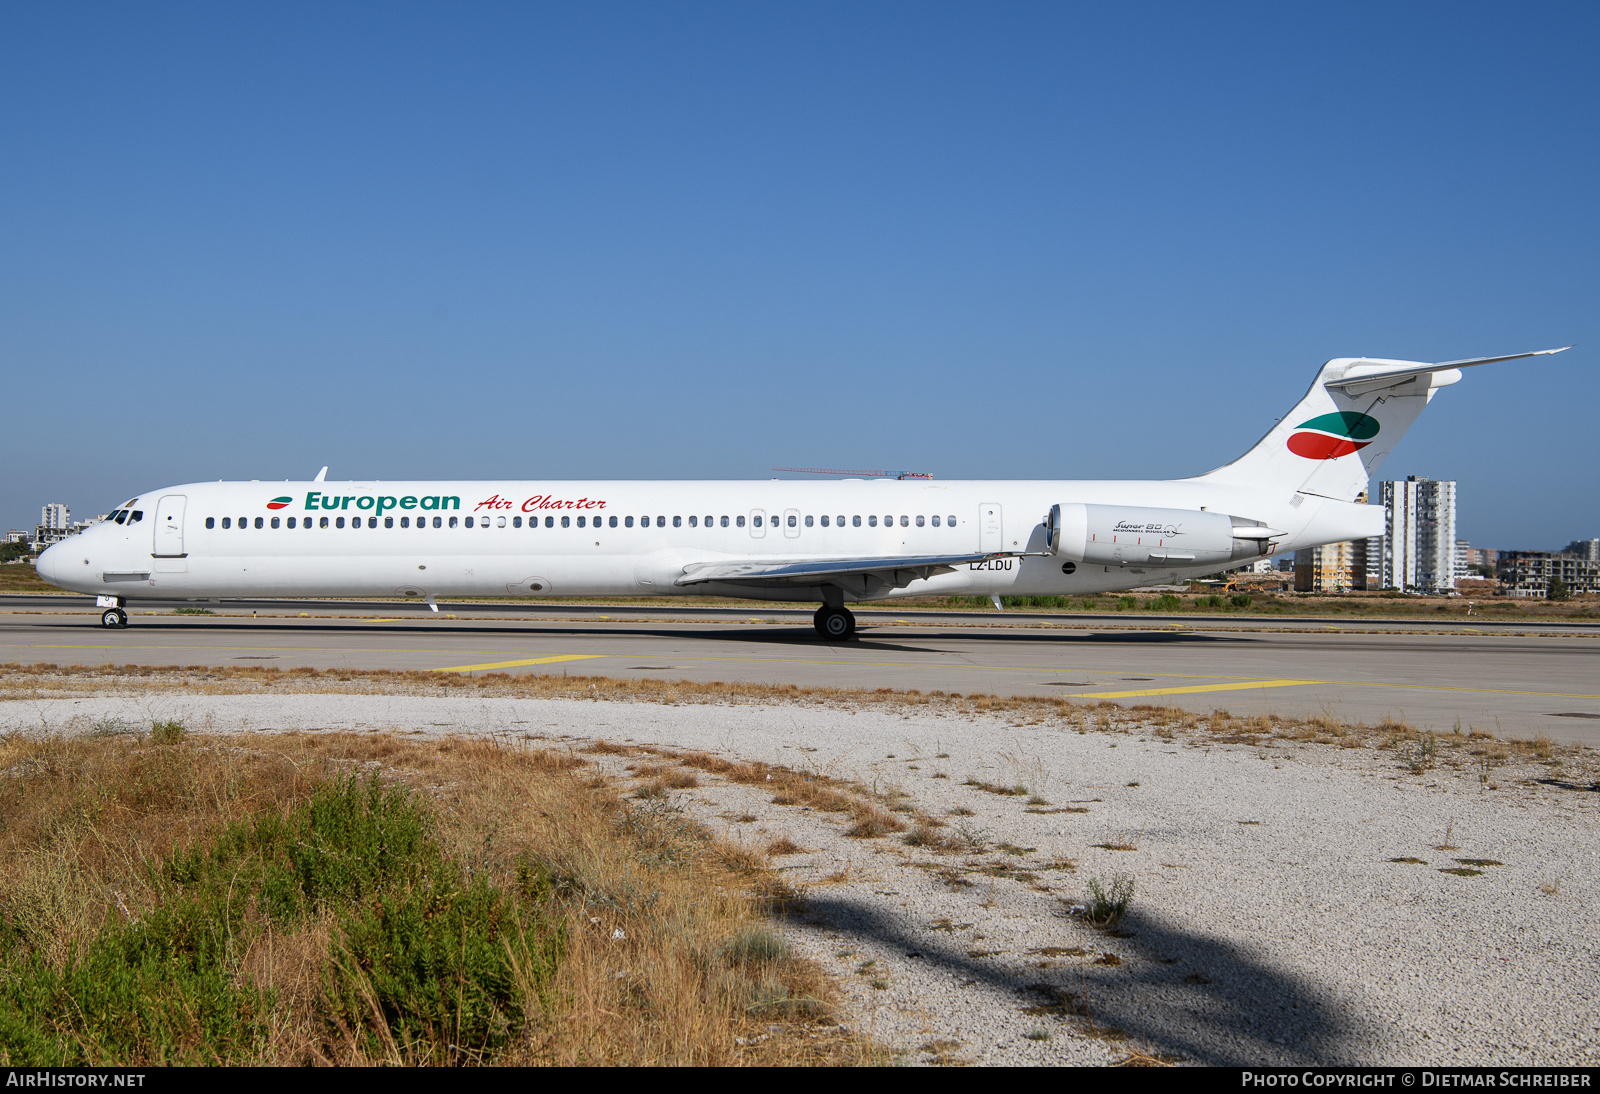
point(1358, 408)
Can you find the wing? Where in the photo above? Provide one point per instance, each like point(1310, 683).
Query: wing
point(861, 576)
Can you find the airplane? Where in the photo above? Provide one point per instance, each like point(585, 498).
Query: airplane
point(832, 543)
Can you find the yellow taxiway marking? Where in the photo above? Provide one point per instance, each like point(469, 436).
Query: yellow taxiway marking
point(518, 664)
point(1239, 686)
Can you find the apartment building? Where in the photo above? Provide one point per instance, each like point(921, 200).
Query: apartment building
point(1418, 548)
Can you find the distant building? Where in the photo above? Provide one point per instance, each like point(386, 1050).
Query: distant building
point(1588, 549)
point(1528, 573)
point(55, 524)
point(1331, 568)
point(1418, 548)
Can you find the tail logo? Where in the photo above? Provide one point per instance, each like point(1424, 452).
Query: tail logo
point(278, 503)
point(1329, 436)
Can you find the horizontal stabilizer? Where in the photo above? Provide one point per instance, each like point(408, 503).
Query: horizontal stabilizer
point(1364, 375)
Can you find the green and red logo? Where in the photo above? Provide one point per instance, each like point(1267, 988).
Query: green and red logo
point(1329, 436)
point(278, 503)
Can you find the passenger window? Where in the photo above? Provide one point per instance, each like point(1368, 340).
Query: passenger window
point(824, 520)
point(872, 522)
point(372, 522)
point(566, 522)
point(694, 522)
point(756, 521)
point(405, 522)
point(793, 521)
point(855, 522)
point(808, 521)
point(274, 522)
point(919, 522)
point(627, 522)
point(580, 522)
point(708, 522)
point(888, 522)
point(453, 521)
point(291, 522)
point(500, 522)
point(612, 522)
point(905, 521)
point(549, 522)
point(438, 522)
point(661, 522)
point(338, 522)
point(739, 521)
point(951, 521)
point(468, 522)
point(724, 522)
point(677, 522)
point(388, 522)
point(323, 522)
point(211, 522)
point(936, 522)
point(227, 522)
point(516, 522)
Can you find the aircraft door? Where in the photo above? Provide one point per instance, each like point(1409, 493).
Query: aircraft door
point(169, 527)
point(758, 523)
point(791, 523)
point(991, 531)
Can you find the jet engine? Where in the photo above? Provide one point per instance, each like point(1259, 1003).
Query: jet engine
point(1134, 535)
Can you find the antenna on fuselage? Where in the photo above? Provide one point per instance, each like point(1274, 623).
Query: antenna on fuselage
point(321, 475)
point(833, 471)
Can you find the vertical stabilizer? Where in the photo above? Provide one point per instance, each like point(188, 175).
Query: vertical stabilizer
point(1358, 408)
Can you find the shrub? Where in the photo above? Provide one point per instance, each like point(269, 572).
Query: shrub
point(167, 733)
point(1108, 900)
point(1241, 600)
point(1166, 602)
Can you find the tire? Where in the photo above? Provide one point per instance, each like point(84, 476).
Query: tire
point(835, 624)
point(114, 618)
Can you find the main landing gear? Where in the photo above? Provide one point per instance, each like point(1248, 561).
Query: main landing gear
point(835, 624)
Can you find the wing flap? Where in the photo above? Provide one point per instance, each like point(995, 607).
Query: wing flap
point(813, 571)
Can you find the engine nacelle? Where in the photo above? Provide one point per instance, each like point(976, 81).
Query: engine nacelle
point(1135, 535)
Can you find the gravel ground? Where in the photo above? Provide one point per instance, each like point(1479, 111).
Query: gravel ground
point(1269, 923)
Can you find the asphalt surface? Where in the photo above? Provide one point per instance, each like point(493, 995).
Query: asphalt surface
point(1516, 680)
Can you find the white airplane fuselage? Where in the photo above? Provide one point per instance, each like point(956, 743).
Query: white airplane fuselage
point(454, 539)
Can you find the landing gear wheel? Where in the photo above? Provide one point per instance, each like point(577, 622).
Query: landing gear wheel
point(114, 618)
point(835, 624)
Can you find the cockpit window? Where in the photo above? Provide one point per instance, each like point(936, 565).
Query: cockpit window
point(136, 516)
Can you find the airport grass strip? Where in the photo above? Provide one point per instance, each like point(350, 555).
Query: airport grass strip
point(338, 898)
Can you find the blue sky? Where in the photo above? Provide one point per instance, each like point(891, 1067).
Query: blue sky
point(684, 240)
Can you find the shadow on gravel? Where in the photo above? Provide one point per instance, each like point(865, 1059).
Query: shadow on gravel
point(1193, 996)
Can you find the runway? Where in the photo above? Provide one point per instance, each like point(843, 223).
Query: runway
point(1517, 680)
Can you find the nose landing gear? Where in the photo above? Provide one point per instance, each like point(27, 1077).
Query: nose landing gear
point(113, 617)
point(835, 624)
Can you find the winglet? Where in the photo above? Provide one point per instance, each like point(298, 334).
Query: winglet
point(321, 475)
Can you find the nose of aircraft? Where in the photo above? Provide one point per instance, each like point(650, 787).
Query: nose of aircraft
point(48, 563)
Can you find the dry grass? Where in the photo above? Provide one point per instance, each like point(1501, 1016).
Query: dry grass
point(664, 961)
